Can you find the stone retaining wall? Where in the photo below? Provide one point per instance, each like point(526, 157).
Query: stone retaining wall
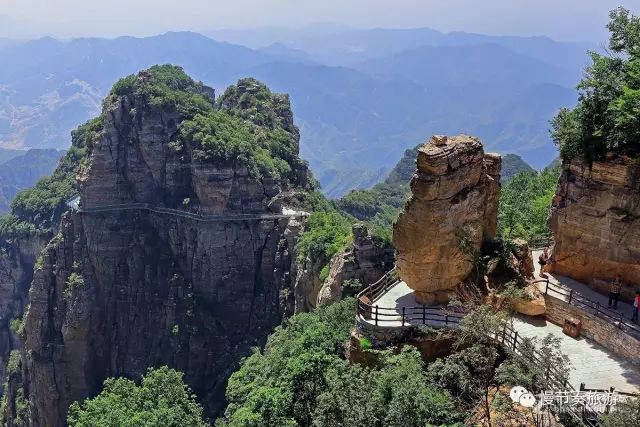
point(599, 330)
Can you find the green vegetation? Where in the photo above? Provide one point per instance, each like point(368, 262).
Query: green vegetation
point(74, 281)
point(17, 326)
point(164, 88)
point(302, 379)
point(34, 211)
point(162, 398)
point(524, 204)
point(607, 118)
point(327, 233)
point(624, 414)
point(221, 137)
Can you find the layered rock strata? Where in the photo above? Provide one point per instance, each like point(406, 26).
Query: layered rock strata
point(122, 290)
point(595, 219)
point(455, 193)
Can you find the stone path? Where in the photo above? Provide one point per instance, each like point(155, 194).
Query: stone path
point(592, 364)
point(625, 308)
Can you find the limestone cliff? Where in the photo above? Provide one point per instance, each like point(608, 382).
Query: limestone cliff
point(453, 208)
point(595, 219)
point(122, 289)
point(366, 261)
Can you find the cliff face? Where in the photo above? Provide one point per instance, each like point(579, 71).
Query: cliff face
point(361, 265)
point(122, 290)
point(452, 210)
point(595, 219)
point(16, 273)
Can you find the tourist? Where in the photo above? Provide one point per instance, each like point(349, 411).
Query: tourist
point(614, 292)
point(543, 259)
point(636, 304)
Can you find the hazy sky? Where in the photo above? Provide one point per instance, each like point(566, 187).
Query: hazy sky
point(560, 19)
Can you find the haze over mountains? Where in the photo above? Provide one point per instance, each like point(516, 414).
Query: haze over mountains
point(360, 97)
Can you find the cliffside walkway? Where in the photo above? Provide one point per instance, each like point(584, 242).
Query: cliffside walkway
point(189, 215)
point(391, 304)
point(624, 310)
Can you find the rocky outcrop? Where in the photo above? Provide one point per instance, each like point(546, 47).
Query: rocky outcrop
point(595, 219)
point(120, 291)
point(16, 272)
point(452, 210)
point(361, 265)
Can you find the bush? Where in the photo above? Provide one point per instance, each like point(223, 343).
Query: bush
point(607, 118)
point(524, 204)
point(162, 398)
point(327, 233)
point(302, 379)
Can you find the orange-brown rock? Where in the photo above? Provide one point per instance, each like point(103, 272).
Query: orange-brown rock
point(535, 306)
point(452, 210)
point(595, 220)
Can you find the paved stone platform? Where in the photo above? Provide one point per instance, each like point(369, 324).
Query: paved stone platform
point(625, 308)
point(592, 364)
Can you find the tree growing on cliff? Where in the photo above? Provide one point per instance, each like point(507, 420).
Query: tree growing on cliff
point(162, 399)
point(303, 379)
point(607, 118)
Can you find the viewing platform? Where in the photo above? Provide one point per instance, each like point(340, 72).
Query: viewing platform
point(390, 303)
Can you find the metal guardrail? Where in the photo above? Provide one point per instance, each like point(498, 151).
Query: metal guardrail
point(508, 338)
point(188, 215)
point(419, 315)
point(590, 306)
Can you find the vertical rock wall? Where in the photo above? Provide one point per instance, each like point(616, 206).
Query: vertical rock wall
point(595, 219)
point(452, 210)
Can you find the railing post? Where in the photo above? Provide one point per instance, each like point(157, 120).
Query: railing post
point(515, 339)
point(570, 296)
point(403, 309)
point(597, 308)
point(376, 315)
point(620, 322)
point(582, 387)
point(446, 320)
point(424, 314)
point(546, 287)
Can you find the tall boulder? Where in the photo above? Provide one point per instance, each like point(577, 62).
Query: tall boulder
point(453, 208)
point(595, 219)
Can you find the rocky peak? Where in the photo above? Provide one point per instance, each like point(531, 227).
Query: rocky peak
point(164, 142)
point(119, 291)
point(452, 209)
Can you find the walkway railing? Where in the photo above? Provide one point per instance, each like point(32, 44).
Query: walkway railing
point(436, 317)
point(580, 301)
point(188, 215)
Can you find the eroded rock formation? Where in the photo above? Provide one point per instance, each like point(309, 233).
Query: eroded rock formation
point(120, 291)
point(595, 219)
point(361, 265)
point(452, 210)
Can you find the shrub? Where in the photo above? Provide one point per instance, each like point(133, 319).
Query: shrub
point(162, 398)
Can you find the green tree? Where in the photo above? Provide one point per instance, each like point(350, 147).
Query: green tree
point(303, 379)
point(624, 414)
point(524, 204)
point(162, 399)
point(607, 117)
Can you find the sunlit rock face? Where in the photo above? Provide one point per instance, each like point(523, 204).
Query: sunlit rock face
point(452, 209)
point(595, 219)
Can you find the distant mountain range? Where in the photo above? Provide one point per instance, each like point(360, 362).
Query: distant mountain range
point(23, 170)
point(361, 97)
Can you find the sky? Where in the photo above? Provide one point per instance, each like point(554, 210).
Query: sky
point(567, 20)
